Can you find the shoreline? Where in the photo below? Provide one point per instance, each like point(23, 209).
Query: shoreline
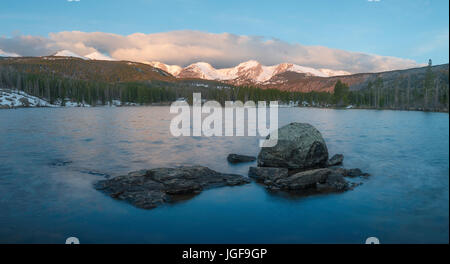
point(5, 107)
point(380, 109)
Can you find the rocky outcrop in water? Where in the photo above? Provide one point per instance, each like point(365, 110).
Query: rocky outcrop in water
point(299, 163)
point(300, 146)
point(317, 180)
point(236, 158)
point(150, 188)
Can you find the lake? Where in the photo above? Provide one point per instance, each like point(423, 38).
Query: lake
point(50, 158)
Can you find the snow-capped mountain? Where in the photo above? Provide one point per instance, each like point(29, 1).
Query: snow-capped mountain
point(99, 56)
point(172, 69)
point(92, 56)
point(331, 73)
point(68, 53)
point(246, 72)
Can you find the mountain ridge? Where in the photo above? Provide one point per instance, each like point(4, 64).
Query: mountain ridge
point(246, 72)
point(423, 88)
point(284, 76)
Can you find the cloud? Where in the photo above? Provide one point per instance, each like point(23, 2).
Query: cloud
point(8, 54)
point(186, 47)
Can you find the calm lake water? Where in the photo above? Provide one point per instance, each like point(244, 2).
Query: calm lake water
point(49, 159)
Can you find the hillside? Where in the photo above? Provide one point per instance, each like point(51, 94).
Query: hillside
point(81, 69)
point(64, 80)
point(292, 81)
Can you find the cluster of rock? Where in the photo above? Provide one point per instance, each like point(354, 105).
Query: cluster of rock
point(316, 180)
point(150, 188)
point(299, 162)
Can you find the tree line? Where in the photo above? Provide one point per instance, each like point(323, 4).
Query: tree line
point(57, 89)
point(405, 92)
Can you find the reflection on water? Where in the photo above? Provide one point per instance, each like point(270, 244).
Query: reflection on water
point(49, 159)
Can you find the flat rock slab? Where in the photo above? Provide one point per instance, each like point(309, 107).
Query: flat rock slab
point(236, 158)
point(320, 179)
point(309, 181)
point(150, 188)
point(267, 174)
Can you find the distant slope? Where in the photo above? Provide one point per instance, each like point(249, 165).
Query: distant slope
point(298, 82)
point(77, 68)
point(417, 75)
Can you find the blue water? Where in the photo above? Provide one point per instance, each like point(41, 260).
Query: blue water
point(49, 159)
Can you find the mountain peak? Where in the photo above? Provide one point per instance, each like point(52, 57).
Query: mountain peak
point(201, 64)
point(202, 70)
point(99, 56)
point(172, 69)
point(68, 53)
point(249, 64)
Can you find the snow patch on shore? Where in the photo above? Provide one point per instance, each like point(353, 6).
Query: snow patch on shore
point(14, 98)
point(10, 98)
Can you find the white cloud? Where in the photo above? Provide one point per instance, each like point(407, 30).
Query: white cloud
point(8, 54)
point(185, 47)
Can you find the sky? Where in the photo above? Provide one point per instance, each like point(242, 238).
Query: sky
point(371, 35)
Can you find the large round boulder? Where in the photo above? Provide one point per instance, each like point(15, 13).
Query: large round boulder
point(300, 146)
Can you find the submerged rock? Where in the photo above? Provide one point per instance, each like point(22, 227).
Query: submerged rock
point(236, 158)
point(300, 146)
point(336, 160)
point(150, 188)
